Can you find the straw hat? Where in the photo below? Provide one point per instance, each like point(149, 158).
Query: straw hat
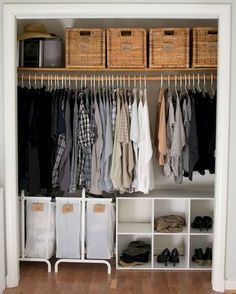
point(35, 30)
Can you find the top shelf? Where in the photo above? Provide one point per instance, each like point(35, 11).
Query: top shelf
point(63, 69)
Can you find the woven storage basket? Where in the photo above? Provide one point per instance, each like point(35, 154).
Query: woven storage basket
point(169, 47)
point(205, 47)
point(126, 48)
point(85, 48)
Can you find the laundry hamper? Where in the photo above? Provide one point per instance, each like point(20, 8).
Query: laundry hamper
point(40, 228)
point(100, 223)
point(68, 227)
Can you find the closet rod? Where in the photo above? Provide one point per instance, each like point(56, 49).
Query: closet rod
point(33, 77)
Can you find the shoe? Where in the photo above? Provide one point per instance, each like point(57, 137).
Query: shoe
point(164, 256)
point(197, 223)
point(208, 256)
point(198, 256)
point(174, 256)
point(207, 222)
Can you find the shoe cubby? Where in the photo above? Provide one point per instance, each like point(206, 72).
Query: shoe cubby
point(200, 242)
point(122, 244)
point(180, 242)
point(164, 207)
point(136, 221)
point(134, 216)
point(201, 209)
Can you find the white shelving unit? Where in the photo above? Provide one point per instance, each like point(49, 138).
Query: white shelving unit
point(135, 221)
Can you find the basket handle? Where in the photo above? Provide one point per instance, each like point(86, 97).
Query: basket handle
point(126, 33)
point(212, 32)
point(85, 33)
point(169, 32)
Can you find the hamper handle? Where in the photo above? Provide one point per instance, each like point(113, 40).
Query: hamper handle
point(126, 33)
point(85, 33)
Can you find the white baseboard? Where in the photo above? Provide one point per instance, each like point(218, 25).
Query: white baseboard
point(230, 285)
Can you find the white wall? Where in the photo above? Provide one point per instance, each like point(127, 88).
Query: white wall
point(231, 232)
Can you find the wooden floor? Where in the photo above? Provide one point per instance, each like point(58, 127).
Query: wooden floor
point(93, 278)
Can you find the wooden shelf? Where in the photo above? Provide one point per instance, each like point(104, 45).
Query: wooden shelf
point(146, 70)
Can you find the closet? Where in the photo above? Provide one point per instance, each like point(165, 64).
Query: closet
point(136, 212)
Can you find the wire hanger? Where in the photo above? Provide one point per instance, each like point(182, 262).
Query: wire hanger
point(161, 81)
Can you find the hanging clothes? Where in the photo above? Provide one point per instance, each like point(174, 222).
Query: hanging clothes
point(145, 166)
point(98, 139)
point(190, 117)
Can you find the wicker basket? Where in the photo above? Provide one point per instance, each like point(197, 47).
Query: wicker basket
point(205, 47)
point(85, 48)
point(169, 47)
point(126, 48)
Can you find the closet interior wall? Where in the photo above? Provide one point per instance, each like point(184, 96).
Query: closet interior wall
point(200, 183)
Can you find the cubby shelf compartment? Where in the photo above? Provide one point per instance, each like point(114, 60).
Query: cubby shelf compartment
point(203, 242)
point(123, 242)
point(135, 221)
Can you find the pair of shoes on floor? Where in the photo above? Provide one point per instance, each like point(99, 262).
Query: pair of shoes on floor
point(200, 222)
point(167, 256)
point(202, 258)
point(136, 253)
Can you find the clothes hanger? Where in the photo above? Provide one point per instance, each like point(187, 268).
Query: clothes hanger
point(168, 82)
point(42, 81)
point(129, 82)
point(22, 80)
point(212, 88)
point(29, 81)
point(198, 83)
point(145, 81)
point(176, 90)
point(161, 81)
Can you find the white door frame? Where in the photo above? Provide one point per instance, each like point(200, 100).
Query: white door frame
point(12, 12)
point(2, 245)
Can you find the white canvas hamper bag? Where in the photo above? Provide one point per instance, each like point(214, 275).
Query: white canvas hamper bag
point(100, 224)
point(68, 228)
point(40, 227)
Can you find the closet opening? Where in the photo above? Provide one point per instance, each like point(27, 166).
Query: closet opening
point(188, 195)
point(190, 198)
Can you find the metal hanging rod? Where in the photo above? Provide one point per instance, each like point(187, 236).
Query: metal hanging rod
point(73, 77)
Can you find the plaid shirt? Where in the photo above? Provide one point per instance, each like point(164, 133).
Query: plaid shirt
point(61, 145)
point(87, 135)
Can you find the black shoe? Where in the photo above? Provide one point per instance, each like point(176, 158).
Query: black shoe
point(174, 256)
point(164, 256)
point(197, 223)
point(207, 222)
point(198, 256)
point(208, 256)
